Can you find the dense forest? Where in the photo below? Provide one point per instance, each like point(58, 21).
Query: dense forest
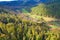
point(39, 22)
point(18, 27)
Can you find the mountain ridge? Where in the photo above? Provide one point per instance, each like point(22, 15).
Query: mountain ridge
point(19, 5)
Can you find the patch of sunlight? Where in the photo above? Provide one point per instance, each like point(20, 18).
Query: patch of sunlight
point(35, 16)
point(53, 26)
point(49, 19)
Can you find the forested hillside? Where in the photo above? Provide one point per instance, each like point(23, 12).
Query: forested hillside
point(21, 27)
point(47, 10)
point(30, 21)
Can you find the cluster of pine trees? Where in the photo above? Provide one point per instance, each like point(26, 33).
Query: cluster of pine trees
point(13, 27)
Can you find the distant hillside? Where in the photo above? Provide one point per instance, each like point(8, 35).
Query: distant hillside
point(52, 6)
point(19, 5)
point(52, 9)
